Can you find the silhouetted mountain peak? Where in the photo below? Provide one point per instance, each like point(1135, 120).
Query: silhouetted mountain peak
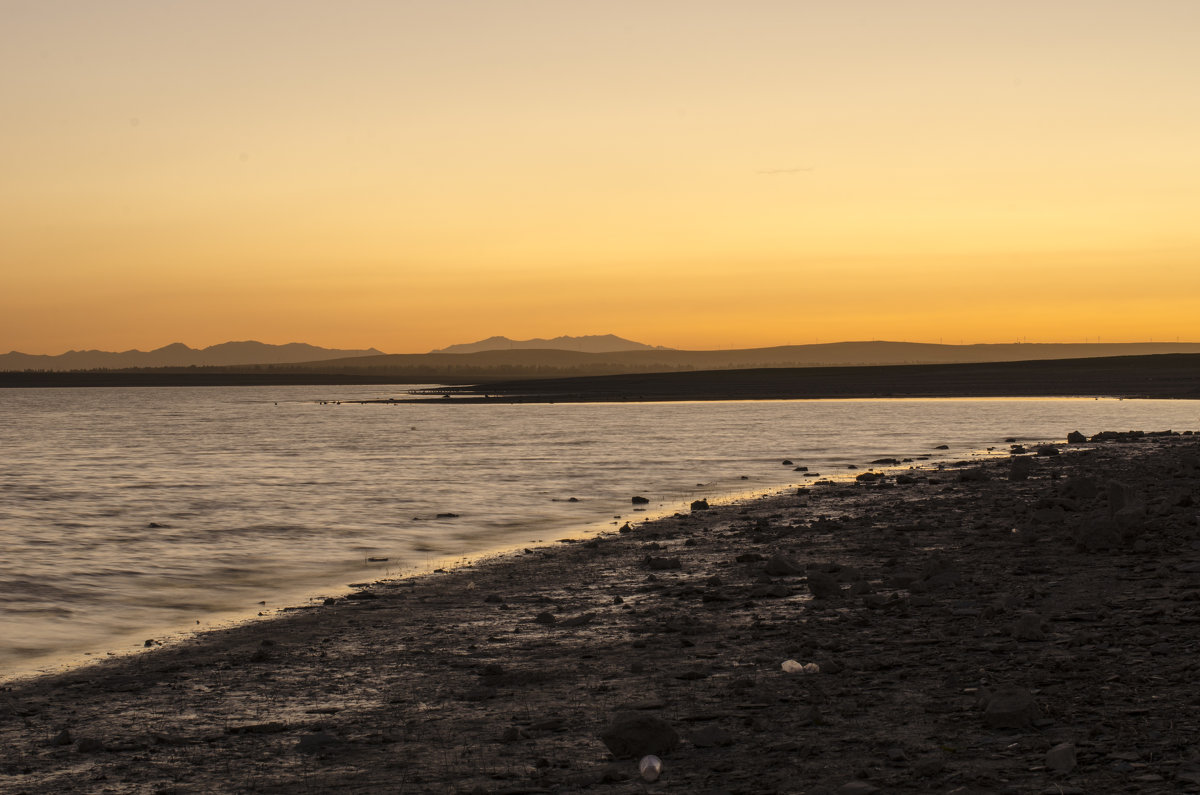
point(592, 343)
point(177, 354)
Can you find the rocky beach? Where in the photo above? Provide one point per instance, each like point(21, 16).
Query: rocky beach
point(1027, 623)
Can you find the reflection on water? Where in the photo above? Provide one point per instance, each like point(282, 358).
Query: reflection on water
point(132, 510)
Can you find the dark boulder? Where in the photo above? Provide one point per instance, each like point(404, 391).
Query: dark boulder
point(1097, 534)
point(632, 736)
point(780, 566)
point(316, 743)
point(1120, 496)
point(1081, 488)
point(1020, 468)
point(823, 586)
point(973, 475)
point(1010, 707)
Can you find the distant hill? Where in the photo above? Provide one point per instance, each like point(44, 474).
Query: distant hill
point(295, 363)
point(1147, 376)
point(227, 354)
point(602, 343)
point(505, 364)
point(1155, 376)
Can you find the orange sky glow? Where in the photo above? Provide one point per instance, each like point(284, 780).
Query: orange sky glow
point(698, 174)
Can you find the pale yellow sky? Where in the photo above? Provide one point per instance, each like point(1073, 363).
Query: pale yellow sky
point(695, 174)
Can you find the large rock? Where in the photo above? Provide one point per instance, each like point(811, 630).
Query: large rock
point(780, 566)
point(1097, 534)
point(973, 475)
point(1029, 626)
point(316, 743)
point(1061, 758)
point(632, 736)
point(89, 745)
point(822, 585)
point(1131, 521)
point(857, 787)
point(1075, 437)
point(939, 570)
point(1020, 468)
point(711, 736)
point(1081, 488)
point(1010, 707)
point(1119, 496)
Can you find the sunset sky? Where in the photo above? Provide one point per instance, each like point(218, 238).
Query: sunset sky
point(407, 174)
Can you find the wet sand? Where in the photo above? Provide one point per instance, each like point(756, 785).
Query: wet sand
point(978, 628)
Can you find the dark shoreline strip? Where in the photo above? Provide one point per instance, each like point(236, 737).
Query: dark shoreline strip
point(1155, 376)
point(1165, 376)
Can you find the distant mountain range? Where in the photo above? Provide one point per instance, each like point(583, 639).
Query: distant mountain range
point(501, 359)
point(595, 343)
point(488, 366)
point(648, 359)
point(227, 354)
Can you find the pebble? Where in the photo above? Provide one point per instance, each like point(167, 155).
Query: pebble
point(650, 767)
point(793, 667)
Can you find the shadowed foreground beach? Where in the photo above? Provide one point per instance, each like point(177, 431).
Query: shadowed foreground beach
point(1023, 625)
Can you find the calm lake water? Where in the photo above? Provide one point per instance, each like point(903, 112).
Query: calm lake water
point(126, 514)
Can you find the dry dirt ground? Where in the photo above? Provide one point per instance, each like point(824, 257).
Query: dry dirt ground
point(981, 628)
